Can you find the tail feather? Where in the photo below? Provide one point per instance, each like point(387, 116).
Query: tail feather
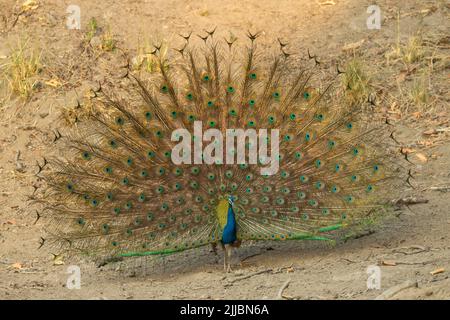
point(115, 190)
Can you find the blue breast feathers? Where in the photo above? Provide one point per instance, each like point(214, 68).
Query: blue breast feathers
point(229, 232)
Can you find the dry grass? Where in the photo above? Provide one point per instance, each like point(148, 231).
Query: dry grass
point(108, 41)
point(412, 52)
point(21, 69)
point(92, 29)
point(356, 81)
point(104, 38)
point(417, 66)
point(145, 60)
point(419, 94)
point(409, 53)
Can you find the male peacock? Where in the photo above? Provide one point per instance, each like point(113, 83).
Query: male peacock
point(117, 188)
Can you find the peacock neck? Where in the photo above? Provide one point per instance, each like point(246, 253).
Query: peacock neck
point(227, 221)
point(230, 215)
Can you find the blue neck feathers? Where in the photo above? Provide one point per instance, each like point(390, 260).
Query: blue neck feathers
point(229, 232)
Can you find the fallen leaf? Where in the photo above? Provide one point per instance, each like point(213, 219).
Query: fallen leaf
point(437, 271)
point(29, 5)
point(53, 83)
point(407, 150)
point(327, 3)
point(58, 260)
point(353, 46)
point(388, 263)
point(417, 114)
point(430, 132)
point(421, 157)
point(17, 265)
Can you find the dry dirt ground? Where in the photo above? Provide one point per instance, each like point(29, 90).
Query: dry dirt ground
point(412, 245)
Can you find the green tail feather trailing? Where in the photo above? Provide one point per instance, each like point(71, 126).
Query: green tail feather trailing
point(113, 188)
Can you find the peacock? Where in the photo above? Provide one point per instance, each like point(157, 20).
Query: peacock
point(226, 141)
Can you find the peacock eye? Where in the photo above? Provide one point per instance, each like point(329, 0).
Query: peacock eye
point(128, 205)
point(86, 155)
point(120, 121)
point(143, 173)
point(307, 137)
point(113, 143)
point(318, 163)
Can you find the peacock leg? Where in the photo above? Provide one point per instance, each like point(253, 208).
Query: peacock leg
point(225, 260)
point(228, 251)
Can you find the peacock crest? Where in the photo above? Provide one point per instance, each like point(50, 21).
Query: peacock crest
point(153, 170)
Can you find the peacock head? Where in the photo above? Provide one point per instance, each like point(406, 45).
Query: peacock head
point(222, 209)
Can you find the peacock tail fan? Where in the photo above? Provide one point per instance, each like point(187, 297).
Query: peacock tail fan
point(130, 180)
